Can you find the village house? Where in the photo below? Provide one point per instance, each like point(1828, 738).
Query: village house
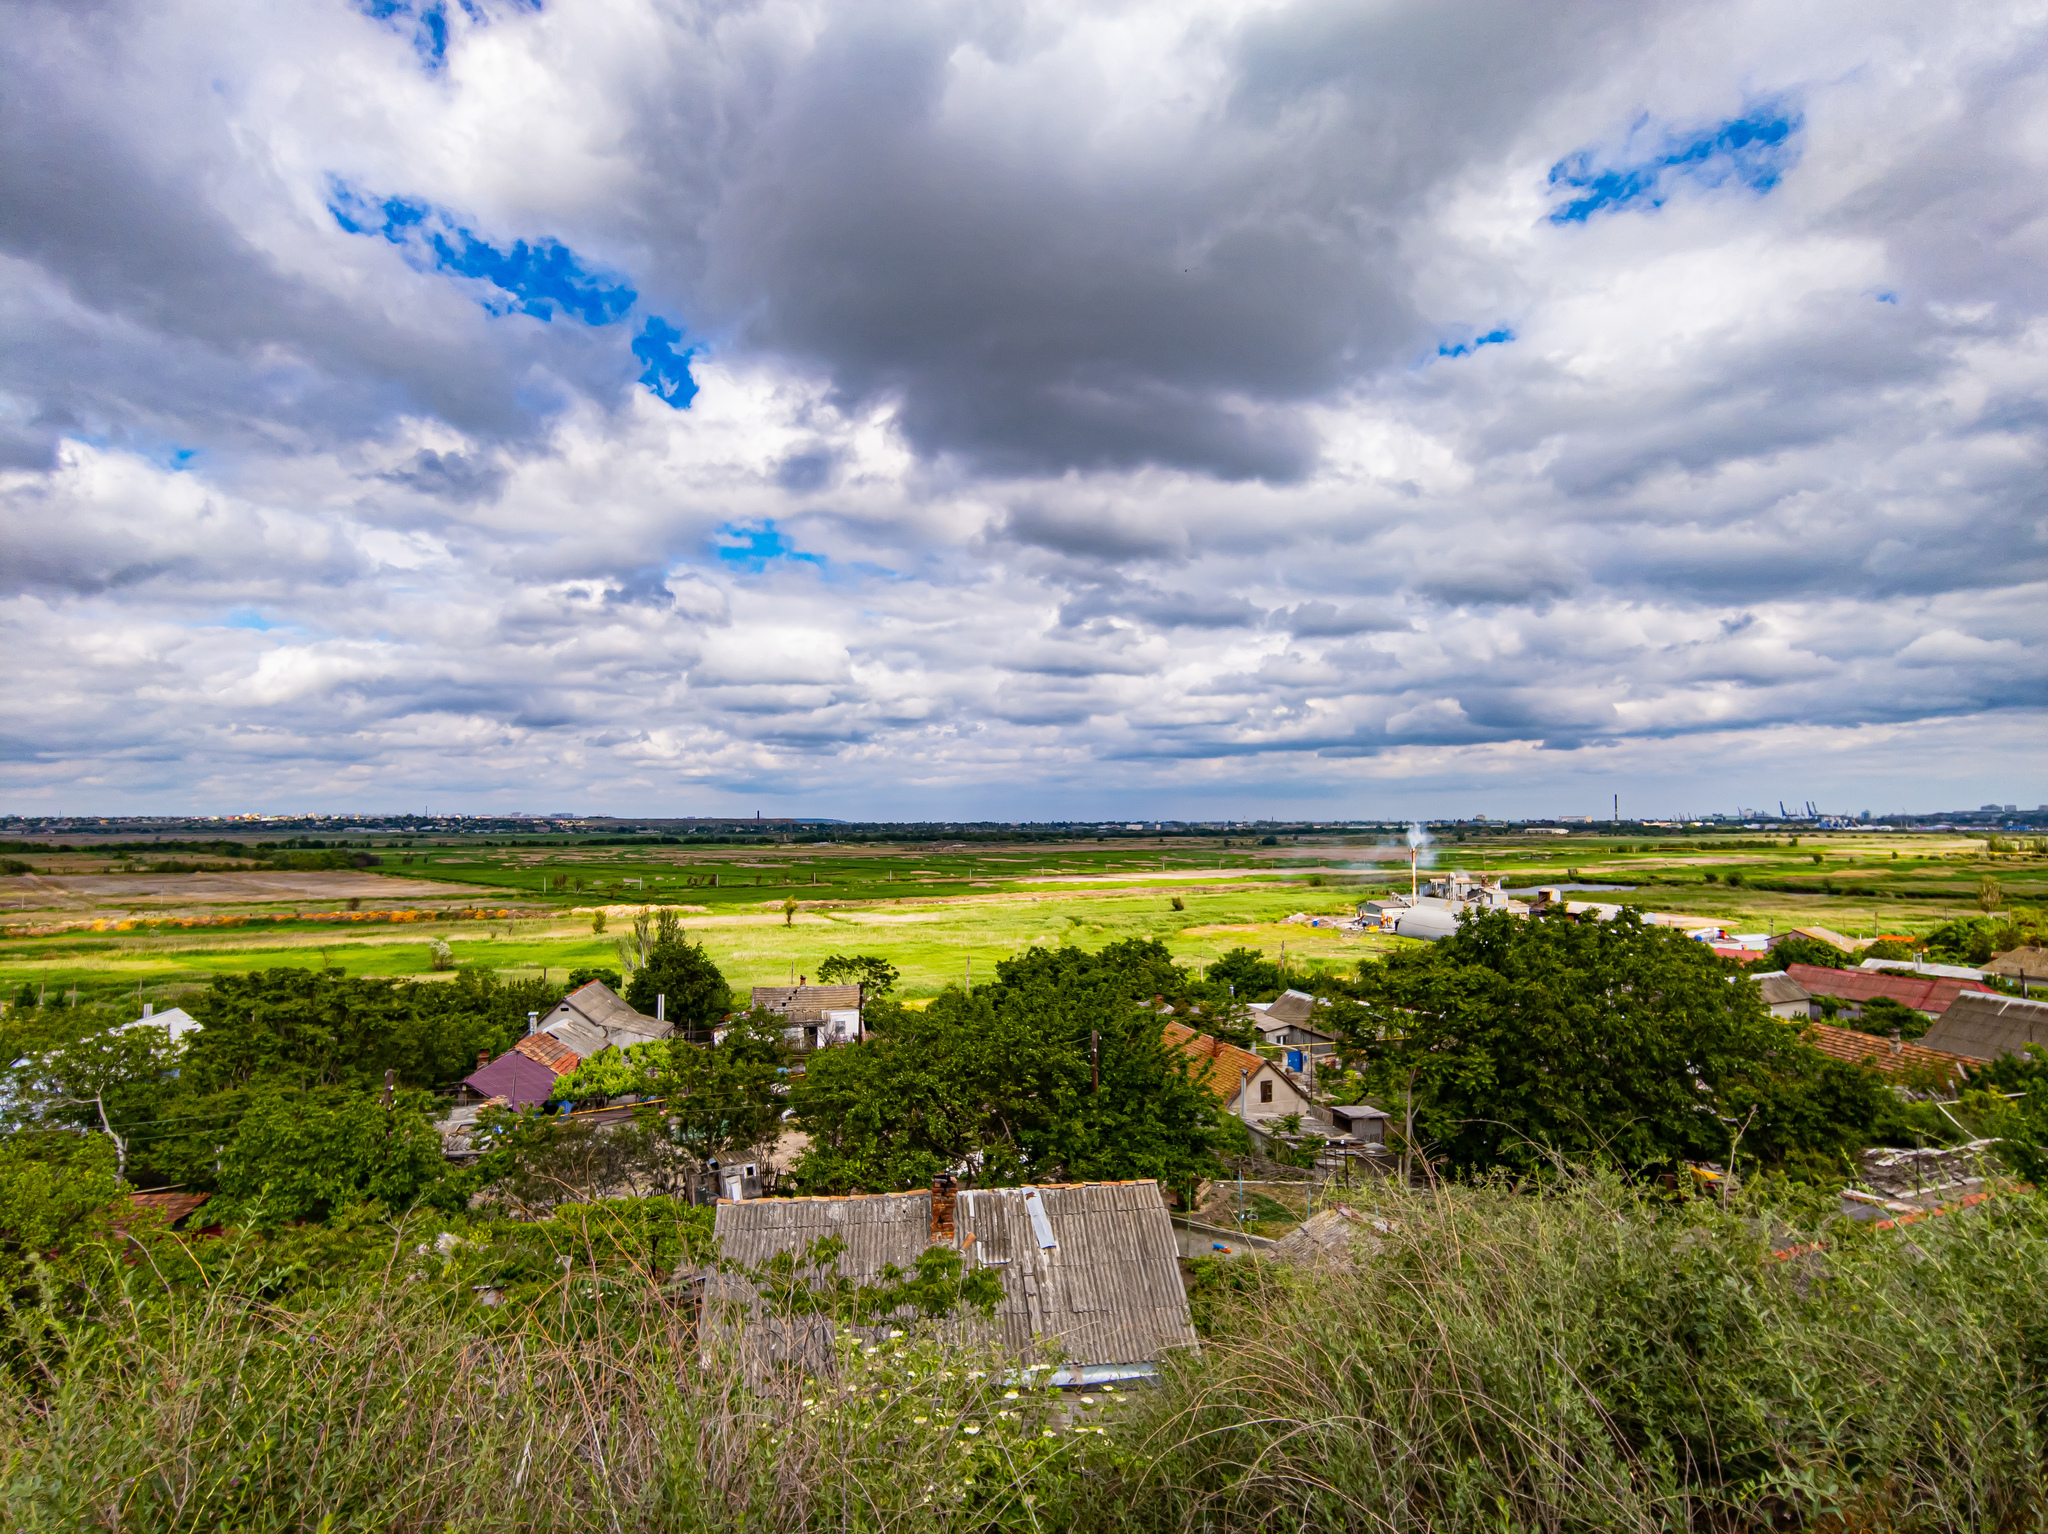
point(1930, 995)
point(1893, 1057)
point(2026, 965)
point(1983, 1025)
point(177, 1021)
point(590, 1019)
point(1250, 1087)
point(1785, 996)
point(1090, 1272)
point(1284, 1024)
point(816, 1015)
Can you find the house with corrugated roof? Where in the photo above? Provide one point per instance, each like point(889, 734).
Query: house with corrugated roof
point(1984, 1026)
point(1090, 1272)
point(1785, 996)
point(589, 1020)
point(2029, 966)
point(814, 1015)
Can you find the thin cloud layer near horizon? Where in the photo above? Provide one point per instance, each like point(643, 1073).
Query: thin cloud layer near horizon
point(1023, 410)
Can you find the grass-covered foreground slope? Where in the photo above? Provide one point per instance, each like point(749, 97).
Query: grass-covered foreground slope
point(1585, 1359)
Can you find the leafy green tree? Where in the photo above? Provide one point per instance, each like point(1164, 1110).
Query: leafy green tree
point(1884, 1017)
point(1250, 973)
point(57, 1188)
point(315, 1028)
point(302, 1155)
point(680, 970)
point(726, 1099)
point(1808, 950)
point(612, 1072)
point(1002, 1084)
point(579, 978)
point(1520, 1043)
point(110, 1081)
point(878, 976)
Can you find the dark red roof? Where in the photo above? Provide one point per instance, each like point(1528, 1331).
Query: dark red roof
point(1923, 993)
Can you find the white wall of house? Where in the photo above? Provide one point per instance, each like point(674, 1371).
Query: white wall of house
point(1268, 1093)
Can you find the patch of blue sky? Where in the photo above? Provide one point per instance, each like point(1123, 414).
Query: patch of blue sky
point(427, 25)
point(539, 279)
point(1497, 337)
point(248, 618)
point(1752, 151)
point(667, 371)
point(753, 545)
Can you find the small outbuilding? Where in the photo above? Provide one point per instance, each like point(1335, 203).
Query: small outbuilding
point(1090, 1272)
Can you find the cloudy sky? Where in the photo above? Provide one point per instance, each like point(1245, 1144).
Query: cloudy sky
point(1022, 410)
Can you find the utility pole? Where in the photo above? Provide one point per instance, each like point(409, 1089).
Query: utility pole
point(390, 1081)
point(1094, 1063)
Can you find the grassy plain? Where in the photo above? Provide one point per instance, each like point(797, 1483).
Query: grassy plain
point(942, 913)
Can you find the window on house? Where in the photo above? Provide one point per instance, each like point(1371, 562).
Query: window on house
point(1265, 1091)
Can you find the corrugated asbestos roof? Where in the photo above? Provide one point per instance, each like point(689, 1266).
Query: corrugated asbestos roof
point(2020, 964)
point(1292, 1007)
point(1212, 1062)
point(1983, 1027)
point(1931, 994)
point(1781, 988)
point(807, 1003)
point(594, 1015)
point(1108, 1290)
point(1868, 1049)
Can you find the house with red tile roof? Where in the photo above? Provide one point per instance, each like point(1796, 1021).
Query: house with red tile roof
point(1891, 1056)
point(1249, 1086)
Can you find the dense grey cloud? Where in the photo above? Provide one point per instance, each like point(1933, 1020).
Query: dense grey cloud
point(1022, 408)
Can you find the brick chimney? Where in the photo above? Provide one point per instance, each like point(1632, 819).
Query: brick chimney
point(945, 1190)
point(483, 1058)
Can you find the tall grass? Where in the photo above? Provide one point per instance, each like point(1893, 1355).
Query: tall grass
point(1586, 1360)
point(397, 1404)
point(1594, 1361)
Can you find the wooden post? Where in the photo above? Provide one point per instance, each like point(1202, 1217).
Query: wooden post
point(390, 1081)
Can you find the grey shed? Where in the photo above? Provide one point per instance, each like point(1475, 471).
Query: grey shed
point(1090, 1271)
point(1979, 1026)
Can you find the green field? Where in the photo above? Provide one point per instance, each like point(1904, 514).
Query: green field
point(943, 913)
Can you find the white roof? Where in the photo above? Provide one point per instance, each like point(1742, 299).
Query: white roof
point(1916, 967)
point(178, 1020)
